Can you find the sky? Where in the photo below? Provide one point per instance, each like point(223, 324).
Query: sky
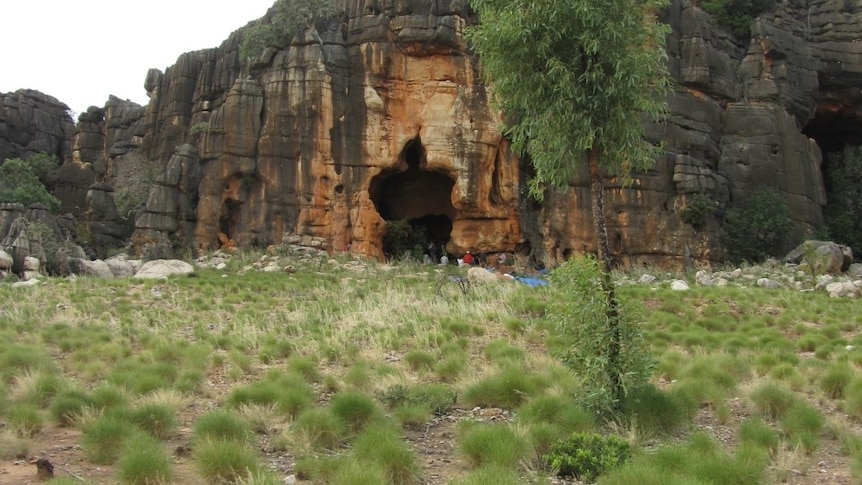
point(82, 51)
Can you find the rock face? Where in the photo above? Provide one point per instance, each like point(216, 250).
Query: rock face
point(32, 122)
point(381, 115)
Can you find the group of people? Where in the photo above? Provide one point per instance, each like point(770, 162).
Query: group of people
point(468, 259)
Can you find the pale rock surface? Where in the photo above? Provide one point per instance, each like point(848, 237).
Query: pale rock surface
point(163, 268)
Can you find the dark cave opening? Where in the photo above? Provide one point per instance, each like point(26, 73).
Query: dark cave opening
point(833, 128)
point(418, 197)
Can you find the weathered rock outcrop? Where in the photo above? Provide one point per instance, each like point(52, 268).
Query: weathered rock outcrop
point(32, 122)
point(382, 116)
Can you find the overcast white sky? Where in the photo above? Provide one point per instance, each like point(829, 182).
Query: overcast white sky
point(82, 51)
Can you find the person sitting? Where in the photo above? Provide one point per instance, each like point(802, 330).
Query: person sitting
point(468, 259)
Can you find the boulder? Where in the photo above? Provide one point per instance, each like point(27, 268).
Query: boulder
point(164, 268)
point(679, 285)
point(85, 267)
point(6, 261)
point(476, 274)
point(122, 267)
point(821, 256)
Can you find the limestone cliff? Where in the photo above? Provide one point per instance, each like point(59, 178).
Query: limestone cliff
point(380, 115)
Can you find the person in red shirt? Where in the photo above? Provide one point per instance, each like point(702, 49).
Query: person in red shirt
point(468, 259)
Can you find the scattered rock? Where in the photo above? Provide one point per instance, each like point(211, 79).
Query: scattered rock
point(163, 268)
point(679, 285)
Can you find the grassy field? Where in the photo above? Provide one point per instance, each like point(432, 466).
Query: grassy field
point(344, 372)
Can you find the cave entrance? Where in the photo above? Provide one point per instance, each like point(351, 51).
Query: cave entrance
point(415, 203)
point(835, 126)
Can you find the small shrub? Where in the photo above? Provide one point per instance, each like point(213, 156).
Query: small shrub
point(144, 462)
point(607, 348)
point(737, 15)
point(757, 229)
point(288, 18)
point(498, 445)
point(697, 209)
point(843, 211)
point(586, 456)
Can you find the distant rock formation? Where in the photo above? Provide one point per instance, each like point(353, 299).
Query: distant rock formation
point(382, 116)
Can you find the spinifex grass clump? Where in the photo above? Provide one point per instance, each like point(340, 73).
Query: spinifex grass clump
point(25, 419)
point(318, 429)
point(507, 388)
point(355, 410)
point(159, 420)
point(490, 474)
point(19, 359)
point(68, 405)
point(495, 444)
point(755, 432)
point(144, 461)
point(772, 400)
point(220, 426)
point(802, 425)
point(289, 393)
point(105, 437)
point(36, 387)
point(225, 460)
point(654, 412)
point(835, 380)
point(380, 444)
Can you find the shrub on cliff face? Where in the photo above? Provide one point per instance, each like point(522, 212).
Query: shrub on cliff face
point(288, 18)
point(737, 15)
point(843, 212)
point(21, 181)
point(758, 228)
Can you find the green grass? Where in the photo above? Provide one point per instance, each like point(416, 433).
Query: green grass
point(104, 438)
point(495, 445)
point(322, 362)
point(220, 426)
point(143, 462)
point(225, 460)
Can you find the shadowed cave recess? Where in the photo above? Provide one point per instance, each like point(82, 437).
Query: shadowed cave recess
point(415, 200)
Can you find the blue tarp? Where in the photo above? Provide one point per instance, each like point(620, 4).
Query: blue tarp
point(531, 282)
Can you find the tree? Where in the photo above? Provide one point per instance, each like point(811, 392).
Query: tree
point(287, 18)
point(577, 77)
point(22, 181)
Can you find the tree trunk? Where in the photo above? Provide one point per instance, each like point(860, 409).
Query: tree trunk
point(601, 230)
